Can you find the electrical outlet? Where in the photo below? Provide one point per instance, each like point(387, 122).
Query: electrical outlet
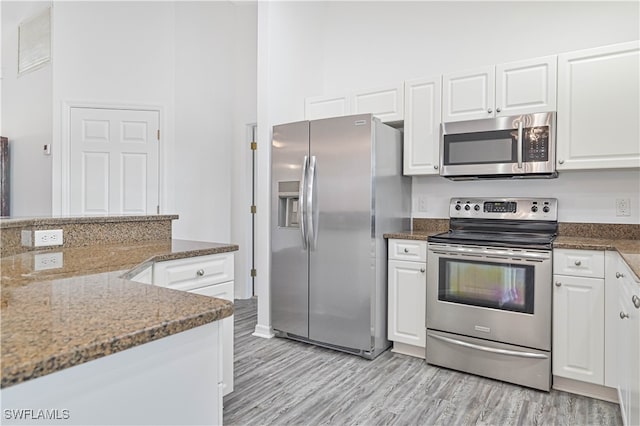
point(422, 204)
point(623, 207)
point(47, 261)
point(50, 237)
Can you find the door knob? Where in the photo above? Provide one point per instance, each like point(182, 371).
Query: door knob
point(623, 315)
point(422, 270)
point(200, 272)
point(577, 263)
point(636, 301)
point(619, 275)
point(406, 250)
point(558, 283)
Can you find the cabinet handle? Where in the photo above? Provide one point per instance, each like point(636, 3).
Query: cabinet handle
point(560, 161)
point(200, 272)
point(435, 166)
point(623, 315)
point(489, 111)
point(558, 283)
point(619, 275)
point(577, 263)
point(636, 301)
point(422, 270)
point(406, 250)
point(498, 109)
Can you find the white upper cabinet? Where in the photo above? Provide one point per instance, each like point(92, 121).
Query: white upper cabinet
point(386, 103)
point(522, 87)
point(326, 106)
point(526, 87)
point(599, 108)
point(468, 95)
point(422, 118)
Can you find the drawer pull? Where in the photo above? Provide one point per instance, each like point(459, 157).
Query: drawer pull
point(623, 315)
point(636, 301)
point(200, 272)
point(422, 270)
point(558, 283)
point(577, 263)
point(406, 250)
point(619, 275)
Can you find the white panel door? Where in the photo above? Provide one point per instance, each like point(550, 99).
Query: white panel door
point(113, 161)
point(526, 87)
point(423, 115)
point(386, 103)
point(468, 95)
point(599, 108)
point(407, 300)
point(578, 328)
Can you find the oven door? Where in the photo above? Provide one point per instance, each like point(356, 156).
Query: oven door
point(494, 293)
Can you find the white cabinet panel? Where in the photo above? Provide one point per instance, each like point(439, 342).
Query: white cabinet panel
point(526, 87)
point(223, 291)
point(422, 118)
point(578, 328)
point(599, 108)
point(581, 263)
point(326, 106)
point(407, 299)
point(194, 272)
point(386, 103)
point(415, 251)
point(468, 95)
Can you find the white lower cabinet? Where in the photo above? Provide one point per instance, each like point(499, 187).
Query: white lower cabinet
point(407, 287)
point(210, 275)
point(578, 335)
point(627, 351)
point(578, 315)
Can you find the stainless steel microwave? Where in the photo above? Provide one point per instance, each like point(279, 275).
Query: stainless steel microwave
point(522, 146)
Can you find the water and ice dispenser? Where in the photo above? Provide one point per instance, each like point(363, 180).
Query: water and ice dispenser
point(288, 204)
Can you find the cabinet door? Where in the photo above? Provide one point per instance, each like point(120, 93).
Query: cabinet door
point(422, 118)
point(526, 87)
point(326, 106)
point(386, 103)
point(599, 108)
point(223, 291)
point(407, 299)
point(578, 328)
point(468, 95)
point(628, 349)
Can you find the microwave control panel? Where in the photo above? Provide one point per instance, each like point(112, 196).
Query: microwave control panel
point(536, 144)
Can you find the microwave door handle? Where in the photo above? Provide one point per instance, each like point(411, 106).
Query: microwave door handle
point(520, 145)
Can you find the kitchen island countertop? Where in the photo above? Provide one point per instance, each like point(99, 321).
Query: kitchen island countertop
point(57, 318)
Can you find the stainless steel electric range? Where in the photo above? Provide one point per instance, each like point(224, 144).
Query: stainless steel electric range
point(489, 287)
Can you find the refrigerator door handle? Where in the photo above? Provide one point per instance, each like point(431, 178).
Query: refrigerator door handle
point(302, 203)
point(312, 208)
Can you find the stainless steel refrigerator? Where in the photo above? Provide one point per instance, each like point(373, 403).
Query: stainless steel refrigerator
point(337, 187)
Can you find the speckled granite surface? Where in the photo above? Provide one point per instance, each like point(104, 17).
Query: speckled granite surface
point(58, 318)
point(411, 235)
point(83, 231)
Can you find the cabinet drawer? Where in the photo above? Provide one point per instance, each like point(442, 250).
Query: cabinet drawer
point(196, 272)
point(580, 263)
point(408, 250)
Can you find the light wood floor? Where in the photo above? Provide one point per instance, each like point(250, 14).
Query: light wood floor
point(282, 382)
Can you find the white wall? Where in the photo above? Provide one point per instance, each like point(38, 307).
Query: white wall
point(360, 45)
point(26, 117)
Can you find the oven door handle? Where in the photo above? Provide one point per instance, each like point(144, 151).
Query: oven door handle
point(487, 349)
point(520, 142)
point(480, 251)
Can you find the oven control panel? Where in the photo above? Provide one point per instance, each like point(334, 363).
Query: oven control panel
point(505, 208)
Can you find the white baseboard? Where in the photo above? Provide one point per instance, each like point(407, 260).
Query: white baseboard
point(411, 350)
point(587, 389)
point(263, 331)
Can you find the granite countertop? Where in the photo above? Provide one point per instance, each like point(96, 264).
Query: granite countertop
point(628, 249)
point(411, 235)
point(20, 222)
point(53, 319)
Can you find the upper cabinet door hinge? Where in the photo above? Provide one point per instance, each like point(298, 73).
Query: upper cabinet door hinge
point(158, 134)
point(253, 209)
point(254, 146)
point(254, 272)
point(158, 209)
